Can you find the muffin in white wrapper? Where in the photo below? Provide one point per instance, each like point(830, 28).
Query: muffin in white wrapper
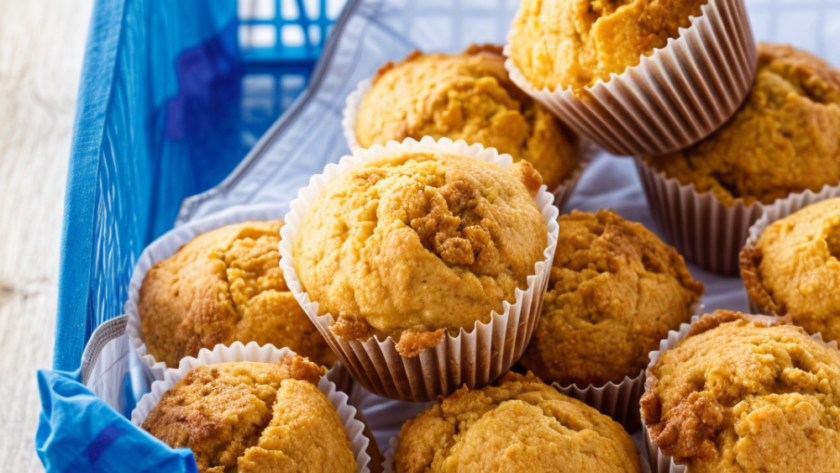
point(264, 354)
point(704, 230)
point(674, 98)
point(659, 462)
point(749, 266)
point(475, 356)
point(562, 193)
point(166, 246)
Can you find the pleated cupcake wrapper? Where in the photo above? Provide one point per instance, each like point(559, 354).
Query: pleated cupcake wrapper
point(263, 354)
point(779, 211)
point(659, 462)
point(395, 442)
point(475, 356)
point(703, 230)
point(166, 246)
point(673, 98)
point(587, 150)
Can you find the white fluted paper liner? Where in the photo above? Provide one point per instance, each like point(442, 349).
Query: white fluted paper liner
point(263, 354)
point(475, 356)
point(703, 230)
point(673, 98)
point(395, 441)
point(586, 150)
point(779, 211)
point(166, 246)
point(659, 462)
point(620, 401)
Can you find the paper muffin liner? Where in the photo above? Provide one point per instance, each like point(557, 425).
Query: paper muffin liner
point(586, 149)
point(617, 400)
point(166, 246)
point(703, 230)
point(673, 98)
point(475, 356)
point(359, 440)
point(771, 214)
point(659, 462)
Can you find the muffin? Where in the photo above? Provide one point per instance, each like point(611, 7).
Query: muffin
point(793, 268)
point(469, 97)
point(225, 286)
point(418, 243)
point(254, 417)
point(518, 425)
point(738, 395)
point(572, 44)
point(614, 292)
point(785, 138)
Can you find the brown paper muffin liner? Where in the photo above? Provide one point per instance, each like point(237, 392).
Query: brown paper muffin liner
point(619, 401)
point(166, 246)
point(673, 98)
point(659, 462)
point(749, 270)
point(475, 356)
point(587, 150)
point(357, 432)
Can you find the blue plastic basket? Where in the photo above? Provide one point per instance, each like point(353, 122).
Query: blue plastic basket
point(173, 96)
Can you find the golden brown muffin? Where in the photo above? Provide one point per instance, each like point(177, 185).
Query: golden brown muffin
point(519, 425)
point(560, 44)
point(254, 417)
point(225, 286)
point(615, 291)
point(739, 396)
point(468, 97)
point(794, 268)
point(418, 243)
point(785, 138)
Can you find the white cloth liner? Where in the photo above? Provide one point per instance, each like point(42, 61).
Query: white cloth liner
point(263, 354)
point(675, 97)
point(473, 357)
point(661, 463)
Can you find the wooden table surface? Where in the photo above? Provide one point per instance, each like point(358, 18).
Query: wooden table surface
point(41, 49)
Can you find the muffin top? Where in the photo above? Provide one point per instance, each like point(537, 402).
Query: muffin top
point(561, 44)
point(784, 139)
point(518, 425)
point(225, 286)
point(466, 97)
point(254, 417)
point(739, 396)
point(418, 243)
point(614, 292)
point(794, 268)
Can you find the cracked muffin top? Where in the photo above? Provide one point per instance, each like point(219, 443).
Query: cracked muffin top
point(784, 139)
point(614, 292)
point(519, 424)
point(740, 396)
point(418, 243)
point(222, 287)
point(468, 97)
point(254, 417)
point(561, 44)
point(794, 269)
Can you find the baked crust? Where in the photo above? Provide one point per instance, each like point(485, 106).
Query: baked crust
point(417, 243)
point(519, 424)
point(746, 393)
point(784, 139)
point(222, 287)
point(614, 292)
point(254, 417)
point(469, 97)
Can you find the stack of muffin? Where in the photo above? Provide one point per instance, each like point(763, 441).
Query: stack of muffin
point(434, 265)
